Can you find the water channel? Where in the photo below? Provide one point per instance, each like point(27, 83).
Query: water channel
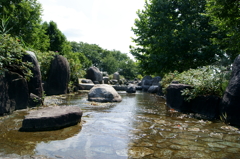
point(141, 126)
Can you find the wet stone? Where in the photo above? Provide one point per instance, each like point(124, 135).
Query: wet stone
point(214, 149)
point(163, 145)
point(167, 135)
point(216, 135)
point(233, 150)
point(210, 139)
point(189, 148)
point(190, 154)
point(145, 144)
point(138, 152)
point(217, 145)
point(165, 153)
point(231, 138)
point(188, 136)
point(185, 142)
point(231, 144)
point(194, 129)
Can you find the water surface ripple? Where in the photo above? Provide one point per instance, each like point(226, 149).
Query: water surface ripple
point(141, 126)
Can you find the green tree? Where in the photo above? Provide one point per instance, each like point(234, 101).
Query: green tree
point(58, 41)
point(226, 16)
point(22, 19)
point(91, 51)
point(173, 35)
point(128, 69)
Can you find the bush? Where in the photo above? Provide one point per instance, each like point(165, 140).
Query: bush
point(207, 80)
point(44, 60)
point(11, 52)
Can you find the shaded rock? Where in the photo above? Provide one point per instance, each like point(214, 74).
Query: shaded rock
point(104, 93)
point(175, 100)
point(59, 76)
point(156, 80)
point(206, 106)
point(159, 92)
point(94, 74)
point(51, 118)
point(14, 93)
point(120, 87)
point(106, 80)
point(116, 76)
point(86, 86)
point(153, 89)
point(146, 83)
point(35, 82)
point(231, 99)
point(86, 81)
point(34, 100)
point(113, 82)
point(131, 88)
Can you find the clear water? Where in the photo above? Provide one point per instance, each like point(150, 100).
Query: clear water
point(141, 126)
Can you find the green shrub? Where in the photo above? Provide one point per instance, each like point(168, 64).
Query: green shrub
point(207, 80)
point(11, 52)
point(44, 60)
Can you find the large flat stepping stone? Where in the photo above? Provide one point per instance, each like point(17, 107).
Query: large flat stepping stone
point(51, 118)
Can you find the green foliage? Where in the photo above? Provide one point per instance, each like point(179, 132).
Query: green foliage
point(207, 80)
point(75, 66)
point(11, 53)
point(58, 41)
point(23, 19)
point(44, 60)
point(173, 35)
point(226, 16)
point(106, 60)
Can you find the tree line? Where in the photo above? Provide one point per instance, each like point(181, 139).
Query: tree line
point(182, 34)
point(22, 21)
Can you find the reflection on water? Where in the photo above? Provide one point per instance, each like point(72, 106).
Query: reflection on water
point(138, 127)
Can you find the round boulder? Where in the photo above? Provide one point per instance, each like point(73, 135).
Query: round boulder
point(94, 74)
point(59, 76)
point(104, 93)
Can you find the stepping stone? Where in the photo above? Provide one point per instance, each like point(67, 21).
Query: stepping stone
point(51, 118)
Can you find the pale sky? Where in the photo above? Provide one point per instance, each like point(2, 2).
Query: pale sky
point(106, 23)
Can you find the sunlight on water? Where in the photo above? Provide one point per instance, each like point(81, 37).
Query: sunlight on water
point(138, 127)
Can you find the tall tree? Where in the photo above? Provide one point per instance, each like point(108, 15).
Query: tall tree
point(22, 18)
point(226, 16)
point(58, 41)
point(173, 35)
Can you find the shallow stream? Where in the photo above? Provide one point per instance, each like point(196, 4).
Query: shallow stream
point(141, 126)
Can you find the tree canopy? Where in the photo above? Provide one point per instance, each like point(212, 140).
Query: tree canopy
point(173, 35)
point(22, 19)
point(226, 16)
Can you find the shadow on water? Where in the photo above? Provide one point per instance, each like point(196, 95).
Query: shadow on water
point(141, 126)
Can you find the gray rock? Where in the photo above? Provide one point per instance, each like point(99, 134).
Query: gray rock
point(153, 89)
point(86, 86)
point(116, 76)
point(146, 82)
point(94, 74)
point(35, 82)
point(231, 99)
point(59, 76)
point(104, 93)
point(131, 88)
point(175, 100)
point(14, 93)
point(51, 118)
point(86, 81)
point(106, 80)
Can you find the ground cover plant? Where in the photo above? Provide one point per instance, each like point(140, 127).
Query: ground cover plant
point(206, 80)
